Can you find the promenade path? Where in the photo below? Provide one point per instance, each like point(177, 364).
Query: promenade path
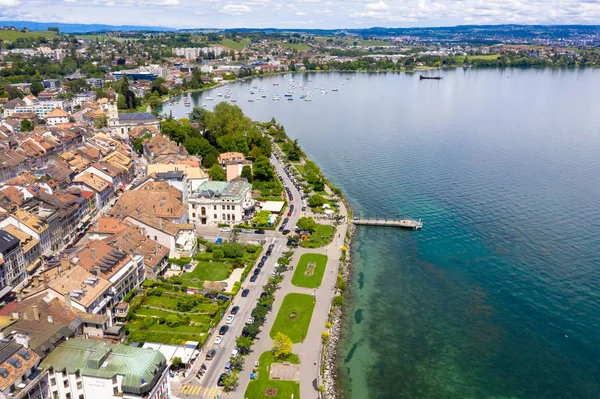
point(309, 350)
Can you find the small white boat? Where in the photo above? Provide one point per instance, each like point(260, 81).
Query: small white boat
point(307, 99)
point(209, 98)
point(227, 96)
point(249, 100)
point(276, 98)
point(334, 89)
point(219, 95)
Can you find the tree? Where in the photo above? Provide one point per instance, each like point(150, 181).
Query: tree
point(176, 363)
point(230, 382)
point(217, 173)
point(247, 173)
point(100, 122)
point(218, 254)
point(121, 103)
point(244, 343)
point(263, 170)
point(316, 200)
point(237, 361)
point(282, 345)
point(261, 218)
point(36, 88)
point(251, 330)
point(185, 303)
point(306, 224)
point(197, 146)
point(198, 115)
point(26, 125)
point(172, 321)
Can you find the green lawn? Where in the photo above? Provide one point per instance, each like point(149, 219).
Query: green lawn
point(211, 271)
point(11, 35)
point(477, 57)
point(294, 46)
point(237, 46)
point(294, 326)
point(300, 279)
point(285, 389)
point(170, 302)
point(322, 236)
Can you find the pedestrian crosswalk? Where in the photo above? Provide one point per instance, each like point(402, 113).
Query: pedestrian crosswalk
point(200, 391)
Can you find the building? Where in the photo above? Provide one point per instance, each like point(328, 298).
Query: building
point(20, 376)
point(122, 124)
point(77, 288)
point(124, 272)
point(89, 369)
point(217, 202)
point(233, 169)
point(191, 177)
point(12, 262)
point(29, 244)
point(228, 157)
point(31, 225)
point(192, 53)
point(41, 108)
point(100, 187)
point(57, 117)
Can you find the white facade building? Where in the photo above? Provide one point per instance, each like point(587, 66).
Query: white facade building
point(217, 202)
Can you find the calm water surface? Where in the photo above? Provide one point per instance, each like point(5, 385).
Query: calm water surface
point(498, 296)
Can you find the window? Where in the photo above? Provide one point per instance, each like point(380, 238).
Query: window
point(222, 206)
point(53, 381)
point(154, 238)
point(233, 217)
point(81, 396)
point(193, 215)
point(115, 390)
point(233, 207)
point(114, 379)
point(79, 385)
point(223, 216)
point(215, 207)
point(55, 395)
point(215, 216)
point(68, 395)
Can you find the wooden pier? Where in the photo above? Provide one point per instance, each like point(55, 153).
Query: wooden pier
point(404, 223)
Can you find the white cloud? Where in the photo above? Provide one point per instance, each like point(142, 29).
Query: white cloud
point(235, 9)
point(379, 6)
point(300, 13)
point(9, 3)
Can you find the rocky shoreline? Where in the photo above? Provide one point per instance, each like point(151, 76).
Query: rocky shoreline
point(330, 370)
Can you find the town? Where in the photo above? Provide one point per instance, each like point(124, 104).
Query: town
point(143, 256)
point(140, 254)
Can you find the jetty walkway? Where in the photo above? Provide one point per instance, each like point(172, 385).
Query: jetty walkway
point(404, 223)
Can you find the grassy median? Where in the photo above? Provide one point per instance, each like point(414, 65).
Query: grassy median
point(310, 270)
point(294, 316)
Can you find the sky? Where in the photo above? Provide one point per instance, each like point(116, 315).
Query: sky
point(327, 14)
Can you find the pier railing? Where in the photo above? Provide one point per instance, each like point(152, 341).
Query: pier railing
point(391, 222)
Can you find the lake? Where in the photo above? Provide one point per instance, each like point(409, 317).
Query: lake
point(497, 296)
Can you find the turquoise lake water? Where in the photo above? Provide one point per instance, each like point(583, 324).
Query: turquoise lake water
point(497, 296)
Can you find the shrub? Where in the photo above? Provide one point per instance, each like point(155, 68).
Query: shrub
point(338, 300)
point(325, 336)
point(218, 254)
point(251, 249)
point(328, 324)
point(233, 251)
point(173, 321)
point(161, 320)
point(341, 283)
point(155, 292)
point(185, 303)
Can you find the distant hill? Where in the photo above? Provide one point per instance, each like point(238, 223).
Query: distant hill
point(80, 28)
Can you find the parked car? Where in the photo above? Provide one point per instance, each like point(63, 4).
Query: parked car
point(281, 227)
point(230, 319)
point(290, 213)
point(250, 320)
point(223, 330)
point(303, 208)
point(222, 297)
point(264, 259)
point(261, 264)
point(263, 294)
point(227, 365)
point(220, 382)
point(226, 229)
point(259, 231)
point(235, 351)
point(271, 246)
point(256, 271)
point(285, 232)
point(253, 278)
point(235, 309)
point(211, 353)
point(269, 252)
point(218, 339)
point(245, 292)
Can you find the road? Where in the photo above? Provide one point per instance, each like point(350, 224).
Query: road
point(206, 387)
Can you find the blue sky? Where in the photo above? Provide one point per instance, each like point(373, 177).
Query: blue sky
point(303, 13)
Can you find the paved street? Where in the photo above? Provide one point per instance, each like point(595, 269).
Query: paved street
point(309, 349)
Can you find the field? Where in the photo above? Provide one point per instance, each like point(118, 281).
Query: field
point(285, 389)
point(477, 57)
point(232, 44)
point(211, 271)
point(301, 279)
point(11, 36)
point(320, 237)
point(294, 316)
point(294, 46)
